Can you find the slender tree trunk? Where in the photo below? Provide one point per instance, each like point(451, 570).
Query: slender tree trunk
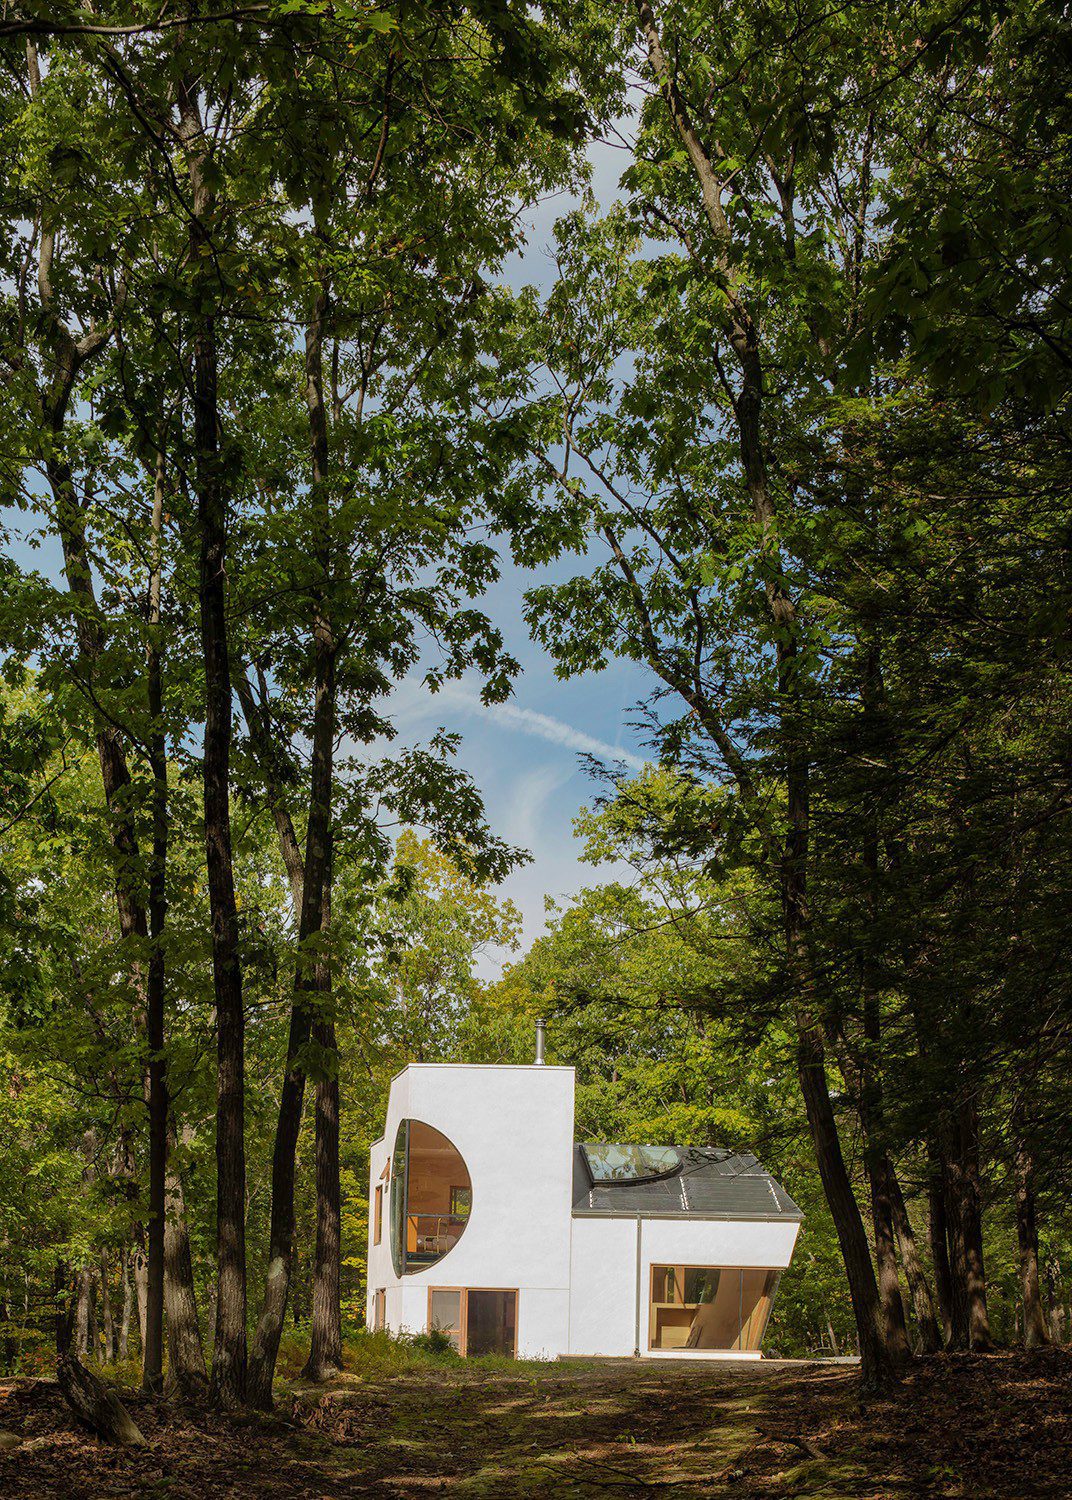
point(211, 1302)
point(152, 1377)
point(1057, 1317)
point(107, 1321)
point(128, 1305)
point(970, 1320)
point(972, 1212)
point(889, 1285)
point(186, 1355)
point(325, 1353)
point(313, 977)
point(878, 1355)
point(228, 1386)
point(10, 1344)
point(67, 356)
point(938, 1235)
point(141, 1284)
point(64, 1307)
point(83, 1335)
point(743, 334)
point(835, 1348)
point(959, 1335)
point(845, 1211)
point(1036, 1334)
point(872, 1100)
point(929, 1337)
point(269, 1329)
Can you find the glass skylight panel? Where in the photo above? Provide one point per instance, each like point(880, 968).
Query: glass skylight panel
point(626, 1163)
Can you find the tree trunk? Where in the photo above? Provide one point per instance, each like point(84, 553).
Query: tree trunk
point(83, 1330)
point(743, 333)
point(93, 1403)
point(68, 355)
point(127, 1309)
point(313, 976)
point(325, 1353)
point(269, 1329)
point(929, 1337)
point(186, 1355)
point(878, 1357)
point(835, 1348)
point(152, 1376)
point(972, 1208)
point(971, 1328)
point(1036, 1334)
point(10, 1343)
point(107, 1321)
point(872, 1100)
point(889, 1285)
point(845, 1211)
point(141, 1286)
point(63, 1307)
point(228, 1386)
point(1058, 1311)
point(938, 1235)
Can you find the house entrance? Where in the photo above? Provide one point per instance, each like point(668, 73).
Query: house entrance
point(477, 1320)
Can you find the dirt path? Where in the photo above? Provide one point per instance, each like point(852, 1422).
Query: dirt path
point(959, 1429)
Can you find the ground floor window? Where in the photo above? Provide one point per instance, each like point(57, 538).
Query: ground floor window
point(710, 1307)
point(477, 1320)
point(379, 1310)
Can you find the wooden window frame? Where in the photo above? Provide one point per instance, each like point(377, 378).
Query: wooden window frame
point(377, 1214)
point(463, 1331)
point(773, 1274)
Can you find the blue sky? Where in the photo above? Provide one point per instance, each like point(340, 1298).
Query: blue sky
point(525, 756)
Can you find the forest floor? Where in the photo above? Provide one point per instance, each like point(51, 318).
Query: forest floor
point(960, 1426)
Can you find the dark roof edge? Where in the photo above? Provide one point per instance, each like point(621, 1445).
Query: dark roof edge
point(645, 1213)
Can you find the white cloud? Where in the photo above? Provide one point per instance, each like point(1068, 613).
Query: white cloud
point(530, 809)
point(539, 726)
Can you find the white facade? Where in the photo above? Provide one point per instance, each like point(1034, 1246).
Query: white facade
point(583, 1282)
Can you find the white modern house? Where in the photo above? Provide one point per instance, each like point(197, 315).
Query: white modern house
point(488, 1221)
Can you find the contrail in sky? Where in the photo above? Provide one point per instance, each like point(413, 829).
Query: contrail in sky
point(540, 726)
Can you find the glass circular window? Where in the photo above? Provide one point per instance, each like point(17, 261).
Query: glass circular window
point(431, 1195)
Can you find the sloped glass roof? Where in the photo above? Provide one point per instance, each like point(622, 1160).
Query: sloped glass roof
point(609, 1163)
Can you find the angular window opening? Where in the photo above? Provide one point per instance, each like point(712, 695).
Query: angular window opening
point(431, 1196)
point(477, 1320)
point(379, 1311)
point(377, 1216)
point(710, 1307)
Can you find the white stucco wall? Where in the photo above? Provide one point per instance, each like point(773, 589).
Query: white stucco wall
point(603, 1295)
point(514, 1129)
point(603, 1287)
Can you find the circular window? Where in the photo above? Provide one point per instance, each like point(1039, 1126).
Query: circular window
point(431, 1195)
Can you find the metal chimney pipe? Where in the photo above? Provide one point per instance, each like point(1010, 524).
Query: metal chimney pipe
point(541, 1028)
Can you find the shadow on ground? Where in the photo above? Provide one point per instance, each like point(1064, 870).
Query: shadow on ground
point(959, 1427)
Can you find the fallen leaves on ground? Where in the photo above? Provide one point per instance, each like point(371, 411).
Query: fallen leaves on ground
point(960, 1427)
